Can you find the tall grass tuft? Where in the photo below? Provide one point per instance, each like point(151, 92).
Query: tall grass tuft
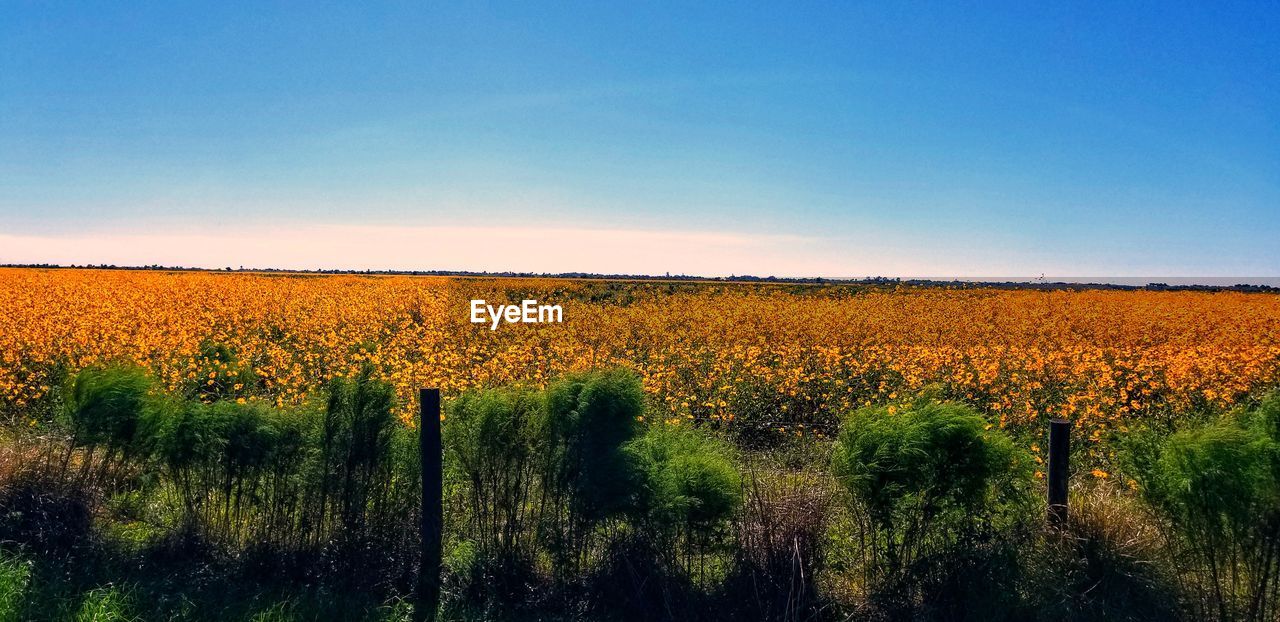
point(1105, 563)
point(106, 604)
point(368, 474)
point(780, 547)
point(235, 468)
point(15, 579)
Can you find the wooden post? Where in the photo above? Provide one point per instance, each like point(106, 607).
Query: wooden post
point(427, 595)
point(1059, 463)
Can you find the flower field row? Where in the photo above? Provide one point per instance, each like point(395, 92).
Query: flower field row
point(771, 355)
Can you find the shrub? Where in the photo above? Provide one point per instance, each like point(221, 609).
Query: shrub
point(688, 489)
point(490, 439)
point(111, 409)
point(691, 488)
point(190, 445)
point(587, 473)
point(297, 480)
point(235, 467)
point(356, 441)
point(538, 473)
point(367, 486)
point(1218, 487)
point(1265, 417)
point(924, 483)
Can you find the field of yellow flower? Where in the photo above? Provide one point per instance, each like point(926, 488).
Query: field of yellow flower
point(784, 356)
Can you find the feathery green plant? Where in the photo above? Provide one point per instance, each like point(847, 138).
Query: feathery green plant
point(921, 481)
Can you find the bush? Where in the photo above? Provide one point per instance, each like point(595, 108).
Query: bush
point(1218, 487)
point(691, 487)
point(587, 473)
point(538, 473)
point(491, 444)
point(688, 490)
point(925, 484)
point(324, 495)
point(1264, 418)
point(111, 409)
point(356, 441)
point(235, 467)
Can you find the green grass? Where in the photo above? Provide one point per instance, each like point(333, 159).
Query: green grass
point(106, 604)
point(561, 506)
point(15, 578)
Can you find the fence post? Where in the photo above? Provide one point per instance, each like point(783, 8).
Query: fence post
point(427, 594)
point(1059, 457)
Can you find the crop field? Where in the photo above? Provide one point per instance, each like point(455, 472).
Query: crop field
point(796, 356)
point(245, 446)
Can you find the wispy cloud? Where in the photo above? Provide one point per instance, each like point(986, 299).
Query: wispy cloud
point(556, 249)
point(449, 248)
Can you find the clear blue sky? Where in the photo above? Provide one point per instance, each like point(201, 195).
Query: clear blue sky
point(844, 138)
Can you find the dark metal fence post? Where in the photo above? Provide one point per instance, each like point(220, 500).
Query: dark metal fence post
point(1059, 457)
point(427, 597)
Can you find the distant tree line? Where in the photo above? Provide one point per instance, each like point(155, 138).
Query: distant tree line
point(745, 278)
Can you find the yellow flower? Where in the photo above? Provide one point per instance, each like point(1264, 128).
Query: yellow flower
point(1102, 359)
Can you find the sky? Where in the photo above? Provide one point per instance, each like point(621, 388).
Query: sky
point(790, 139)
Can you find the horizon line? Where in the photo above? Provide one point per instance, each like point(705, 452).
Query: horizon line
point(1043, 280)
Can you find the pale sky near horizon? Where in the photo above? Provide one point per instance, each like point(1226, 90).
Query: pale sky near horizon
point(823, 139)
